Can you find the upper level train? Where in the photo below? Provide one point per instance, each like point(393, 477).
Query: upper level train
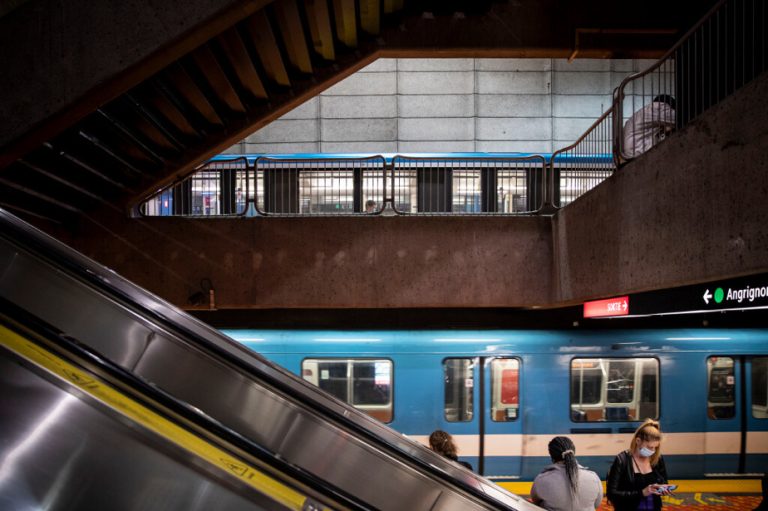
point(358, 184)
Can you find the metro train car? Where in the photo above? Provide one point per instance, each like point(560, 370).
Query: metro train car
point(504, 394)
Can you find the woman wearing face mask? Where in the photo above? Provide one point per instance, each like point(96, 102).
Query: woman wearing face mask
point(636, 477)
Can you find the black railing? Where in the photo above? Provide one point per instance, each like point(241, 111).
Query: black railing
point(218, 188)
point(319, 186)
point(467, 185)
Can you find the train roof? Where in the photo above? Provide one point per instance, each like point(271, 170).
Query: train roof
point(489, 342)
point(389, 157)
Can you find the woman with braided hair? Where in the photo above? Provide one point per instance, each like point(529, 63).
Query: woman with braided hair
point(565, 485)
point(442, 443)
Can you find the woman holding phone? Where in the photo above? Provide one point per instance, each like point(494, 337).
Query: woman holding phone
point(638, 477)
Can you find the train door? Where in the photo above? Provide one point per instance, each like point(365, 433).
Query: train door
point(736, 439)
point(460, 416)
point(482, 412)
point(756, 448)
point(501, 436)
point(722, 439)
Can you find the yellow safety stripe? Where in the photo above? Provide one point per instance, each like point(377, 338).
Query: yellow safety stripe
point(684, 486)
point(114, 399)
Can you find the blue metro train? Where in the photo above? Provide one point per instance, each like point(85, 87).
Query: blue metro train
point(504, 394)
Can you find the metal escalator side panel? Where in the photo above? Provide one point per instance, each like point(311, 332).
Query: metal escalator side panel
point(162, 346)
point(218, 390)
point(281, 426)
point(72, 307)
point(132, 414)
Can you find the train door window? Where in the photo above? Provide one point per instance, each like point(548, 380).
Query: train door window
point(459, 386)
point(621, 381)
point(621, 389)
point(505, 389)
point(586, 382)
point(760, 388)
point(364, 383)
point(721, 385)
point(649, 389)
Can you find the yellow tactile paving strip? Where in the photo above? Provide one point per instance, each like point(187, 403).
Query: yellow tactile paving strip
point(692, 495)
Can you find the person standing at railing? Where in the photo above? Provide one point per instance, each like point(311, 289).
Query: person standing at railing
point(370, 206)
point(649, 125)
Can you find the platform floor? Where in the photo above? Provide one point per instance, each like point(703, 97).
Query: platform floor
point(703, 502)
point(701, 495)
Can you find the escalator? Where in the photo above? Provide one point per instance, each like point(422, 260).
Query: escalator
point(111, 398)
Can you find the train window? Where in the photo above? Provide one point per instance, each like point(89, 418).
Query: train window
point(459, 377)
point(505, 389)
point(721, 385)
point(371, 382)
point(364, 383)
point(332, 378)
point(760, 388)
point(619, 389)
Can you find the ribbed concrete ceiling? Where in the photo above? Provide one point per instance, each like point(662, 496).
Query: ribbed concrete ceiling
point(206, 86)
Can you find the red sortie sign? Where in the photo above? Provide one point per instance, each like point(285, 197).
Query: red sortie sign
point(610, 307)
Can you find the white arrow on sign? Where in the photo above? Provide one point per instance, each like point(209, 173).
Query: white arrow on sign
point(707, 296)
point(624, 305)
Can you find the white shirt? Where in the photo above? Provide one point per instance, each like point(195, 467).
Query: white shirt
point(552, 491)
point(647, 127)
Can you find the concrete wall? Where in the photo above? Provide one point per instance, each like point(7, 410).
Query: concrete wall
point(334, 262)
point(450, 105)
point(690, 210)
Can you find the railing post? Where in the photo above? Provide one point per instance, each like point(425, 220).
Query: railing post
point(618, 125)
point(548, 181)
point(389, 201)
point(357, 190)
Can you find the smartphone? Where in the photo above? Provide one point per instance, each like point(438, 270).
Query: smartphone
point(666, 488)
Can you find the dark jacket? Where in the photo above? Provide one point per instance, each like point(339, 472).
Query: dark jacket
point(464, 464)
point(620, 483)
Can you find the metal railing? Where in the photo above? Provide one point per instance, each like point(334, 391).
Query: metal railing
point(467, 186)
point(218, 188)
point(327, 186)
point(716, 57)
point(579, 167)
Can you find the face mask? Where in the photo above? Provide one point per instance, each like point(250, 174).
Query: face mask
point(646, 452)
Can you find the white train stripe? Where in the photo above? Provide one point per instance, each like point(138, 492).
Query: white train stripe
point(609, 444)
point(757, 442)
